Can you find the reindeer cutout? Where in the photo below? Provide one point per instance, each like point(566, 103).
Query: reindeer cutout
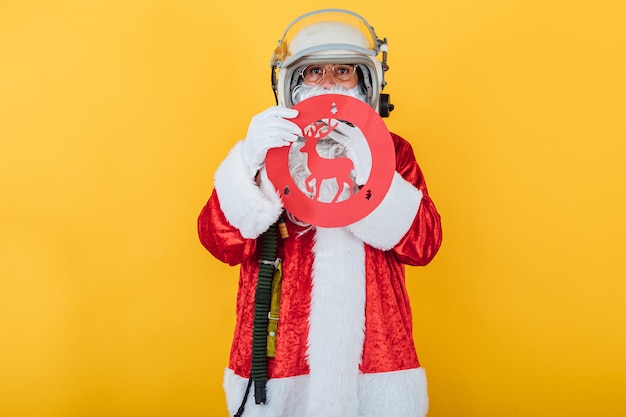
point(305, 176)
point(322, 168)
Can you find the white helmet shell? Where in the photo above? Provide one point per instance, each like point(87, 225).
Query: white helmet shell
point(329, 36)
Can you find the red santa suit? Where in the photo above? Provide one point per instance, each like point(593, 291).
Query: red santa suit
point(345, 343)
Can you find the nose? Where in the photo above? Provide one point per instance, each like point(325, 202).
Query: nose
point(329, 80)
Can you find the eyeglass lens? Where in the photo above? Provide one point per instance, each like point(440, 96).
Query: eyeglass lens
point(316, 73)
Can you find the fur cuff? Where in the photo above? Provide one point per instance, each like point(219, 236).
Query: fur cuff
point(388, 223)
point(244, 204)
point(397, 394)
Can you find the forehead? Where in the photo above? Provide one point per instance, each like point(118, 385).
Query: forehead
point(328, 64)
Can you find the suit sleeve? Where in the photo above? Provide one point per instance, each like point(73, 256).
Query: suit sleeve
point(407, 221)
point(219, 237)
point(238, 211)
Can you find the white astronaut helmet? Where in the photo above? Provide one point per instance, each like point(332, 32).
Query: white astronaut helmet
point(331, 36)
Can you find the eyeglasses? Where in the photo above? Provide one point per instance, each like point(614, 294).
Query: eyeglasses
point(315, 74)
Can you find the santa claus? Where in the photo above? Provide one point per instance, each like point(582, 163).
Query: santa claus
point(344, 341)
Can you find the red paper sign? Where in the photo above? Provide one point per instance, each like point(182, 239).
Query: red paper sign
point(318, 117)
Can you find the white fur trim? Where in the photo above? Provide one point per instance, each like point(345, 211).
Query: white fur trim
point(388, 223)
point(336, 323)
point(398, 394)
point(285, 396)
point(395, 394)
point(245, 205)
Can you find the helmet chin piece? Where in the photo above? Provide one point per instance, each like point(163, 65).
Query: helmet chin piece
point(330, 36)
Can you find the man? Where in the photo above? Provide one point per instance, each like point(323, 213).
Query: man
point(344, 345)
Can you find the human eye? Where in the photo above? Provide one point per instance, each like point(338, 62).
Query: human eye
point(314, 70)
point(343, 69)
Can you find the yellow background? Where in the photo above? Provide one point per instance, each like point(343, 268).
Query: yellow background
point(115, 114)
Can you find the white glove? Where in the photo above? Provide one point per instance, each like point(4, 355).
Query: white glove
point(269, 129)
point(357, 149)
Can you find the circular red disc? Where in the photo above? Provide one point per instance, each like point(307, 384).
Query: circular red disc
point(323, 110)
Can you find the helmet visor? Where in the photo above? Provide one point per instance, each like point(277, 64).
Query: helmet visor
point(330, 29)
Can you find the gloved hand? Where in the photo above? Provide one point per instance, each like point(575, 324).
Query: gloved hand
point(357, 149)
point(269, 129)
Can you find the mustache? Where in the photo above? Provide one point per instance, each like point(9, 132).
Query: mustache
point(302, 92)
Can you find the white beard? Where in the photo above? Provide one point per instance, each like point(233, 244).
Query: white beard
point(303, 91)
